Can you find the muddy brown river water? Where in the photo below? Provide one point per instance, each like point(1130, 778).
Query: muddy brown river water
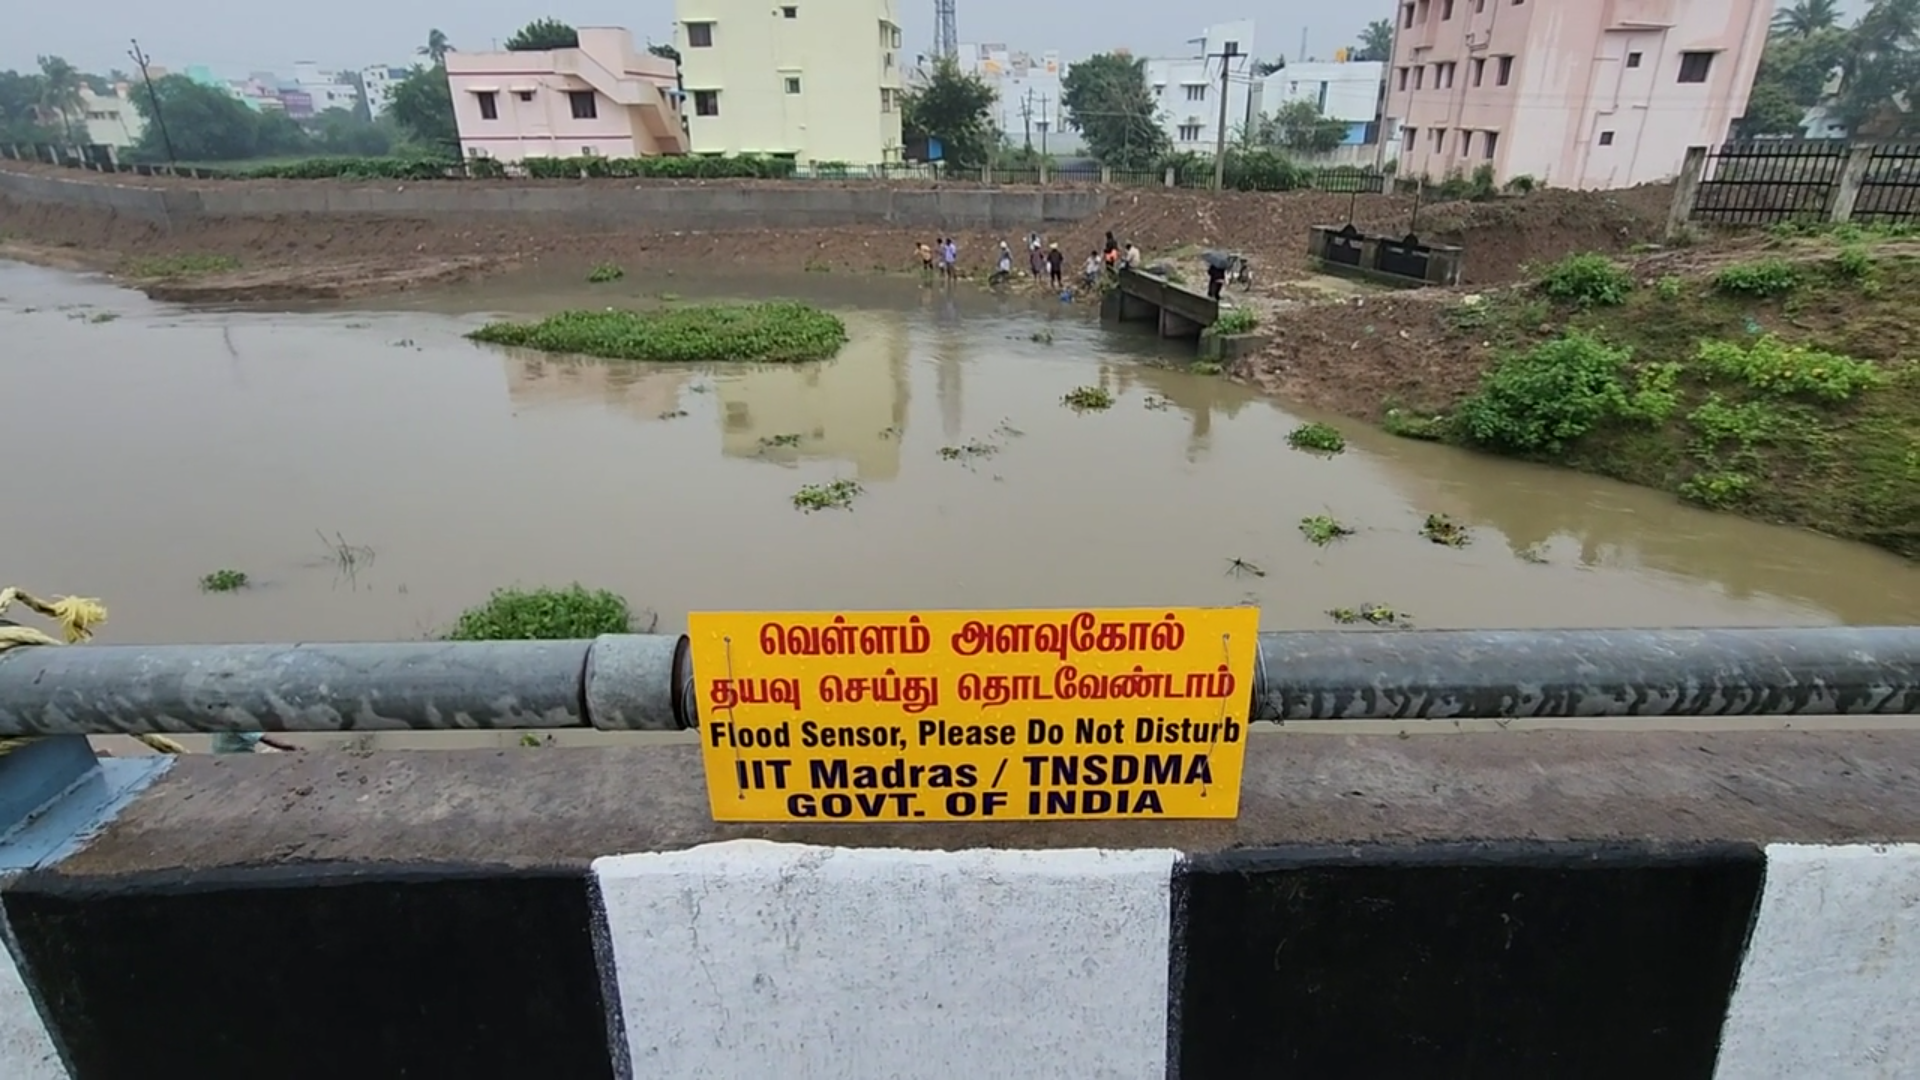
point(153, 444)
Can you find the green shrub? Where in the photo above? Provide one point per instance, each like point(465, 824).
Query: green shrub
point(1776, 367)
point(689, 167)
point(1588, 280)
point(1541, 399)
point(1745, 422)
point(1718, 489)
point(772, 332)
point(1319, 438)
point(1234, 321)
point(1668, 287)
point(544, 615)
point(224, 581)
point(351, 168)
point(604, 273)
point(1655, 393)
point(1767, 277)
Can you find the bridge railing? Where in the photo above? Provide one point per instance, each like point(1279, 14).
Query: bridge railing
point(645, 682)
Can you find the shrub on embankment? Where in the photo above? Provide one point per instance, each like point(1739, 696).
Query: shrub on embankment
point(1785, 389)
point(746, 167)
point(772, 332)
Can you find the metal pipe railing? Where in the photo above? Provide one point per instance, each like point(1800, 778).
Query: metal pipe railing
point(645, 682)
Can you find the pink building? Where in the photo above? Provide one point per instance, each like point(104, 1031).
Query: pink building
point(1574, 93)
point(599, 100)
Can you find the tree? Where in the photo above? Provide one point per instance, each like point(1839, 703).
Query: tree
point(1806, 18)
point(422, 105)
point(60, 85)
point(1264, 68)
point(20, 115)
point(1108, 102)
point(955, 107)
point(543, 34)
point(1299, 126)
point(666, 51)
point(207, 124)
point(1376, 41)
point(1792, 78)
point(340, 131)
point(1881, 71)
point(436, 48)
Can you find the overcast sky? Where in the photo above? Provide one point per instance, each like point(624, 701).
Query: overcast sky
point(236, 38)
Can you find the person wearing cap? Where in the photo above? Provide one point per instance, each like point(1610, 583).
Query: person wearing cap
point(1054, 261)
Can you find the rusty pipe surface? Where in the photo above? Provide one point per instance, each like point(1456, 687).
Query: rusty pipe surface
point(645, 682)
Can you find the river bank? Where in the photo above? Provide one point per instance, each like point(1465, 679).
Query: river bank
point(1772, 377)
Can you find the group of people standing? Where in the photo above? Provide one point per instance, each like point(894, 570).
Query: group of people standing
point(1044, 260)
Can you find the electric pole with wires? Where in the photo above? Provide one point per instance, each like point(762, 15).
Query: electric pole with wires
point(1226, 55)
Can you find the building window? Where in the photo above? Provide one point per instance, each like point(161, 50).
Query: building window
point(1504, 74)
point(706, 103)
point(489, 105)
point(523, 95)
point(886, 99)
point(789, 12)
point(1189, 132)
point(1446, 10)
point(700, 35)
point(1633, 59)
point(793, 84)
point(1406, 16)
point(1606, 138)
point(1466, 142)
point(1196, 93)
point(1489, 140)
point(1479, 7)
point(1695, 65)
point(1402, 72)
point(1479, 69)
point(1420, 77)
point(583, 105)
point(1439, 140)
point(1450, 68)
point(1406, 138)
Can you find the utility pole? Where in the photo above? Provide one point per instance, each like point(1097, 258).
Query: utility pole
point(153, 99)
point(1226, 56)
point(1046, 123)
point(1026, 118)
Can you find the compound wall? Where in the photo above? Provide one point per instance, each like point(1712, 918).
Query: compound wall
point(714, 206)
point(750, 958)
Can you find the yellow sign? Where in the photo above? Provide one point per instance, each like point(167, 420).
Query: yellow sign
point(974, 715)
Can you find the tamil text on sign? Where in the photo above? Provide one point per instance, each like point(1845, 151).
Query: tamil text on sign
point(962, 715)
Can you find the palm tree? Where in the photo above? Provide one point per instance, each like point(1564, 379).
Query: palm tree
point(436, 48)
point(60, 84)
point(1807, 18)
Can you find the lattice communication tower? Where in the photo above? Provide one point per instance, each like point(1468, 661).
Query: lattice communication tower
point(946, 39)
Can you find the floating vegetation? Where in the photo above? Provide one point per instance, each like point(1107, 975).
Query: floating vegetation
point(1376, 614)
point(772, 332)
point(1088, 398)
point(604, 273)
point(972, 448)
point(1243, 568)
point(1533, 553)
point(1005, 427)
point(574, 612)
point(837, 495)
point(1205, 367)
point(1158, 403)
point(1322, 529)
point(1442, 529)
point(777, 442)
point(1317, 438)
point(1042, 337)
point(224, 581)
point(673, 414)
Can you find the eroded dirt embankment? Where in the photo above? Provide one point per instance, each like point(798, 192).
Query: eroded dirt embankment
point(333, 255)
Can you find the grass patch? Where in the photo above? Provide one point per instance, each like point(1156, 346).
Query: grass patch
point(544, 615)
point(1087, 399)
point(773, 332)
point(1234, 321)
point(1587, 280)
point(1317, 438)
point(1376, 614)
point(972, 448)
point(224, 581)
point(1321, 529)
point(179, 266)
point(835, 495)
point(1764, 278)
point(604, 273)
point(1412, 425)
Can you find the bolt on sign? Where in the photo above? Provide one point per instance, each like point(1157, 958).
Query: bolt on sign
point(974, 715)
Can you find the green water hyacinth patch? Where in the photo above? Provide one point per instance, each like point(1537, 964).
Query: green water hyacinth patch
point(775, 332)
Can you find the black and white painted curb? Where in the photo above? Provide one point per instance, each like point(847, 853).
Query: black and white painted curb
point(750, 959)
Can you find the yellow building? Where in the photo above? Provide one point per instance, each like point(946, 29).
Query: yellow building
point(816, 79)
point(851, 409)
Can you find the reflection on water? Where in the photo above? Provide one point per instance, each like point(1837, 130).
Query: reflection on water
point(239, 438)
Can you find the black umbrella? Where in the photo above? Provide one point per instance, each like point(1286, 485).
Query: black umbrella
point(1218, 260)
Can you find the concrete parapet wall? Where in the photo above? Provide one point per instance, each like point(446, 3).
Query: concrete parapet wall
point(714, 206)
point(1683, 906)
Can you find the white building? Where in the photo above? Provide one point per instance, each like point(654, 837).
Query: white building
point(1186, 89)
point(1027, 96)
point(323, 89)
point(111, 119)
point(819, 81)
point(1346, 91)
point(379, 81)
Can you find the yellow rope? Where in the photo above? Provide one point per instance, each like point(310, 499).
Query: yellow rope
point(77, 616)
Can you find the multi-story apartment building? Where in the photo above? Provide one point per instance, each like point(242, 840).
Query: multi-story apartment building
point(1026, 89)
point(378, 81)
point(1186, 89)
point(111, 119)
point(1575, 93)
point(818, 80)
point(598, 100)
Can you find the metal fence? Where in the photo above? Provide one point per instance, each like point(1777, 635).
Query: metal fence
point(1769, 181)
